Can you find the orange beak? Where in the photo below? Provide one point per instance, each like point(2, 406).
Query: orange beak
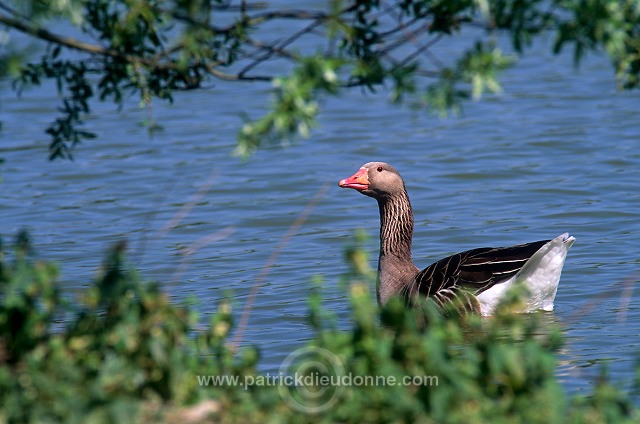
point(358, 181)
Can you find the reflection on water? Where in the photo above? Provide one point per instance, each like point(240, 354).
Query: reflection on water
point(557, 152)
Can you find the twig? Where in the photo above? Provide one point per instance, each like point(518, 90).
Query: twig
point(69, 42)
point(141, 246)
point(264, 272)
point(628, 289)
point(197, 245)
point(625, 297)
point(279, 47)
point(177, 217)
point(421, 48)
point(187, 207)
point(233, 77)
point(287, 14)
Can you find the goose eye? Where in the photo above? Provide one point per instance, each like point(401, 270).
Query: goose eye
point(379, 169)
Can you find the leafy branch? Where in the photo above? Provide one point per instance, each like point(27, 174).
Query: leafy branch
point(152, 49)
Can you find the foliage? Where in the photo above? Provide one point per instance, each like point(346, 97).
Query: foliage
point(123, 343)
point(123, 352)
point(153, 48)
point(294, 108)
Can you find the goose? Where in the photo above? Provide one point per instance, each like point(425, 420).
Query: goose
point(478, 279)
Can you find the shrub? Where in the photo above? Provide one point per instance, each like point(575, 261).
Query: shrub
point(122, 352)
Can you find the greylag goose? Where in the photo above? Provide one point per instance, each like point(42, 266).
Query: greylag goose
point(477, 278)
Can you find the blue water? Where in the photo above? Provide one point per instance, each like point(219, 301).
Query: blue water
point(557, 151)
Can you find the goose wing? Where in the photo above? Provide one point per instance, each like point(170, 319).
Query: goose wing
point(467, 274)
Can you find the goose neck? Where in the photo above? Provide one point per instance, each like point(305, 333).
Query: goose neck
point(396, 227)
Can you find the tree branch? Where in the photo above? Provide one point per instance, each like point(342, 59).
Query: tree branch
point(69, 42)
point(280, 46)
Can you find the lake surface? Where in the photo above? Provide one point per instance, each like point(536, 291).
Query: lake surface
point(558, 151)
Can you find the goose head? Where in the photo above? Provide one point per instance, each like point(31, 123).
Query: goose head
point(376, 179)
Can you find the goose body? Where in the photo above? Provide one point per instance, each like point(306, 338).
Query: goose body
point(477, 278)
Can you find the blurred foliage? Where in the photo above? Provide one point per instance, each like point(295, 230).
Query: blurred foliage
point(123, 352)
point(152, 48)
point(121, 345)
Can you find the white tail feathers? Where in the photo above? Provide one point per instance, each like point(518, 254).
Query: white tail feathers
point(540, 275)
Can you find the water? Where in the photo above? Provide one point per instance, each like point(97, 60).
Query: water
point(558, 151)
